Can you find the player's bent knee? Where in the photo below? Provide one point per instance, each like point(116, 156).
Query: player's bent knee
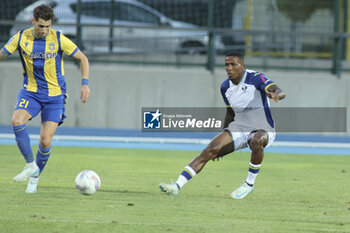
point(20, 117)
point(259, 140)
point(256, 144)
point(45, 142)
point(16, 121)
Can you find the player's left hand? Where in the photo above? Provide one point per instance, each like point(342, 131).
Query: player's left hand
point(272, 95)
point(275, 93)
point(84, 93)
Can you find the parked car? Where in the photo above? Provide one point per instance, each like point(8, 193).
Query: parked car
point(136, 27)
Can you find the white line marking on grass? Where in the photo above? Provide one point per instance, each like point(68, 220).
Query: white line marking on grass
point(177, 140)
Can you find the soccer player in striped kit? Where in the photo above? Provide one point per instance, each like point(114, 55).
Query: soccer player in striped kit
point(41, 51)
point(248, 123)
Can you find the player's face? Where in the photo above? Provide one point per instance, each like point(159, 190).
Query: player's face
point(234, 67)
point(41, 27)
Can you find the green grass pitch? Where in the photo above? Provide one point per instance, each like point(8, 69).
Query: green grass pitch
point(293, 193)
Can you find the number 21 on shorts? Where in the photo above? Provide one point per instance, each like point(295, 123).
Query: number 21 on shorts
point(24, 103)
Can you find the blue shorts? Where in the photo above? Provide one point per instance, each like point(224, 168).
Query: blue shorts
point(52, 108)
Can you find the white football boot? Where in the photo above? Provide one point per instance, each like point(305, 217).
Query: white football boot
point(170, 189)
point(32, 184)
point(242, 191)
point(28, 171)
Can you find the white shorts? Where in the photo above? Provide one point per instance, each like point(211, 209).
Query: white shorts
point(241, 134)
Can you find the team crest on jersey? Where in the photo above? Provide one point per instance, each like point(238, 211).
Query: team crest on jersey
point(26, 44)
point(52, 46)
point(244, 88)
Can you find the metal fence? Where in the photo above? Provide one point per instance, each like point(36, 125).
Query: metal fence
point(278, 34)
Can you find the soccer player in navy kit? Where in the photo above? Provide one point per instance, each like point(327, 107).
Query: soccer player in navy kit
point(248, 122)
point(44, 88)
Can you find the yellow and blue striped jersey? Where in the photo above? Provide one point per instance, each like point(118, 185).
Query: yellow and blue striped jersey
point(42, 60)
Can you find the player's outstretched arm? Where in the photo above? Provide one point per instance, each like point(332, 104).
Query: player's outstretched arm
point(3, 55)
point(84, 67)
point(275, 93)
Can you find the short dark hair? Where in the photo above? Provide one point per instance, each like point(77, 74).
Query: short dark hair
point(235, 54)
point(44, 12)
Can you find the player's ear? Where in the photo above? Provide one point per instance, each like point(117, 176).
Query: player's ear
point(241, 62)
point(33, 20)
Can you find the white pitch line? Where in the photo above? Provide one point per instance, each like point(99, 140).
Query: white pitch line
point(177, 140)
point(118, 139)
point(312, 144)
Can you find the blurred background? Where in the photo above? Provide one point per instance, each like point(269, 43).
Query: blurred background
point(282, 34)
point(170, 53)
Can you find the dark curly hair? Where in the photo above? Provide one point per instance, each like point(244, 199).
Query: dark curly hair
point(235, 54)
point(44, 12)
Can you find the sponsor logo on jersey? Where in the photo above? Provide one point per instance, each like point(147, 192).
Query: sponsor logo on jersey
point(40, 55)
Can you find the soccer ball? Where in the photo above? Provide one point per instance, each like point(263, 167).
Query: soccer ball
point(87, 182)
